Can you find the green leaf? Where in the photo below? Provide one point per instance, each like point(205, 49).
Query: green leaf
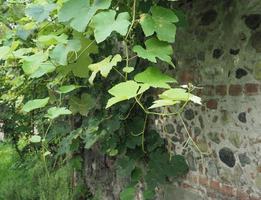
point(128, 193)
point(155, 49)
point(154, 78)
point(91, 135)
point(163, 102)
point(43, 68)
point(79, 12)
point(125, 90)
point(79, 67)
point(128, 69)
point(55, 112)
point(51, 39)
point(104, 67)
point(179, 94)
point(105, 23)
point(35, 104)
point(125, 166)
point(39, 12)
point(32, 63)
point(90, 138)
point(61, 51)
point(67, 88)
point(161, 21)
point(82, 105)
point(35, 139)
point(4, 52)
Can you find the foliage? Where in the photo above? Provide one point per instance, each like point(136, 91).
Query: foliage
point(77, 73)
point(29, 180)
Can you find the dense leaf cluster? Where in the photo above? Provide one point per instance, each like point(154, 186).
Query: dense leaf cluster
point(76, 71)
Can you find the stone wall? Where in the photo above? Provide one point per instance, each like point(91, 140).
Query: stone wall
point(220, 50)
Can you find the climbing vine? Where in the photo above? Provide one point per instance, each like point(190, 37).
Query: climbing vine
point(83, 74)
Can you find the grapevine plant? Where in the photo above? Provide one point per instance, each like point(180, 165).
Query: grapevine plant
point(84, 74)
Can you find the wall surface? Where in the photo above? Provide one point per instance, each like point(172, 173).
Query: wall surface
point(220, 50)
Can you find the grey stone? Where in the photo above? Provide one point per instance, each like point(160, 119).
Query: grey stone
point(197, 131)
point(258, 180)
point(191, 161)
point(244, 159)
point(240, 72)
point(217, 53)
point(213, 136)
point(208, 17)
point(172, 192)
point(235, 139)
point(256, 41)
point(201, 122)
point(234, 51)
point(170, 128)
point(227, 156)
point(189, 114)
point(242, 117)
point(212, 169)
point(253, 21)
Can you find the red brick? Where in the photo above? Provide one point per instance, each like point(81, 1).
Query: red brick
point(251, 89)
point(203, 181)
point(192, 178)
point(254, 197)
point(215, 185)
point(241, 195)
point(235, 90)
point(259, 168)
point(185, 185)
point(208, 90)
point(221, 90)
point(212, 104)
point(227, 190)
point(186, 76)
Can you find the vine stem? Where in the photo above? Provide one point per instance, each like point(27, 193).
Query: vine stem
point(119, 72)
point(161, 114)
point(127, 36)
point(191, 139)
point(133, 19)
point(143, 133)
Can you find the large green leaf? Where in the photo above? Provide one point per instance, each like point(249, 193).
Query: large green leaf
point(51, 39)
point(61, 51)
point(154, 78)
point(105, 23)
point(160, 167)
point(79, 12)
point(4, 52)
point(67, 88)
point(161, 21)
point(43, 68)
point(35, 104)
point(125, 90)
point(163, 102)
point(82, 105)
point(39, 12)
point(179, 94)
point(33, 62)
point(104, 67)
point(155, 49)
point(55, 112)
point(80, 67)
